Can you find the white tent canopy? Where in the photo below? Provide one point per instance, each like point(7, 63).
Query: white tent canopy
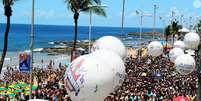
point(184, 29)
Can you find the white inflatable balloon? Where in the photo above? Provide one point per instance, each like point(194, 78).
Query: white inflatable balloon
point(191, 40)
point(155, 49)
point(110, 43)
point(94, 76)
point(37, 100)
point(179, 44)
point(174, 53)
point(185, 64)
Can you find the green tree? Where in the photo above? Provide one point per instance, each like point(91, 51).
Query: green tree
point(8, 13)
point(77, 6)
point(175, 29)
point(167, 33)
point(198, 60)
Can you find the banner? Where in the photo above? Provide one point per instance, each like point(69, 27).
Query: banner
point(24, 62)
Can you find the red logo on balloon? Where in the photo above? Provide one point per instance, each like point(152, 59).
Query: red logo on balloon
point(74, 68)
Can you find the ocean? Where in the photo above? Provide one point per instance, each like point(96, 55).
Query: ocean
point(19, 36)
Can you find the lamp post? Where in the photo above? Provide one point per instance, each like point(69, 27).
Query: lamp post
point(190, 21)
point(122, 19)
point(90, 24)
point(154, 22)
point(32, 46)
point(163, 21)
point(142, 15)
point(181, 19)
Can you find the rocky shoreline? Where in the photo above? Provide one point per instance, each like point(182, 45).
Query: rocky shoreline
point(65, 47)
point(148, 34)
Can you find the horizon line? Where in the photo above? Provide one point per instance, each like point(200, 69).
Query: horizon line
point(80, 25)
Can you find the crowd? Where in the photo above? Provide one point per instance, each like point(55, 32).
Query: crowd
point(154, 80)
point(50, 83)
point(146, 80)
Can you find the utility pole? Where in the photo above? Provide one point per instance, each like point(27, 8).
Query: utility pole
point(181, 19)
point(90, 25)
point(31, 47)
point(190, 21)
point(122, 20)
point(154, 24)
point(163, 21)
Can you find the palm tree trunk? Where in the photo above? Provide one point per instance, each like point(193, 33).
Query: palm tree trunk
point(166, 39)
point(76, 16)
point(173, 39)
point(5, 43)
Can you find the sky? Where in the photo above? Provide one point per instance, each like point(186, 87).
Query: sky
point(55, 12)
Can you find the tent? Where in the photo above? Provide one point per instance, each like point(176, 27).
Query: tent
point(184, 30)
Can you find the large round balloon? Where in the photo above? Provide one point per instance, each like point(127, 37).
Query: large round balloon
point(174, 53)
point(110, 43)
point(179, 44)
point(185, 64)
point(191, 40)
point(155, 49)
point(94, 76)
point(115, 62)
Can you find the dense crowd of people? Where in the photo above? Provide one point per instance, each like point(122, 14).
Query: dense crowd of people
point(50, 83)
point(146, 80)
point(154, 80)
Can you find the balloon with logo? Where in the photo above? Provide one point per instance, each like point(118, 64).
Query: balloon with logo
point(179, 44)
point(110, 43)
point(191, 40)
point(185, 64)
point(93, 76)
point(155, 49)
point(174, 53)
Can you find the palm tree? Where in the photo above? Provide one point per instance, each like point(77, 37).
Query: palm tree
point(198, 60)
point(167, 33)
point(8, 13)
point(77, 6)
point(175, 29)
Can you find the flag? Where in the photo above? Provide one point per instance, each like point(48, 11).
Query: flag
point(137, 12)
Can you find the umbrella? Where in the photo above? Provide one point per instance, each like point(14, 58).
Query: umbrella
point(27, 93)
point(34, 87)
point(2, 88)
point(15, 86)
point(22, 84)
point(12, 95)
point(181, 98)
point(17, 91)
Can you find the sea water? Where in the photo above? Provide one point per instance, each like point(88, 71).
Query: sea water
point(19, 37)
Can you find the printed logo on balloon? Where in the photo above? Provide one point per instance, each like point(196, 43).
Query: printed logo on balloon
point(75, 76)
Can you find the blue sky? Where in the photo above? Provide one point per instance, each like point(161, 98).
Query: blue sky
point(54, 12)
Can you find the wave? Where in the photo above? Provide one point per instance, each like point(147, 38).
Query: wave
point(35, 50)
point(60, 46)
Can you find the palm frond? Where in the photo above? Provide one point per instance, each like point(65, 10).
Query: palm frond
point(98, 10)
point(86, 6)
point(72, 5)
point(8, 2)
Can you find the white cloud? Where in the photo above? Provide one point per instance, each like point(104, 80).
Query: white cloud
point(197, 4)
point(50, 14)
